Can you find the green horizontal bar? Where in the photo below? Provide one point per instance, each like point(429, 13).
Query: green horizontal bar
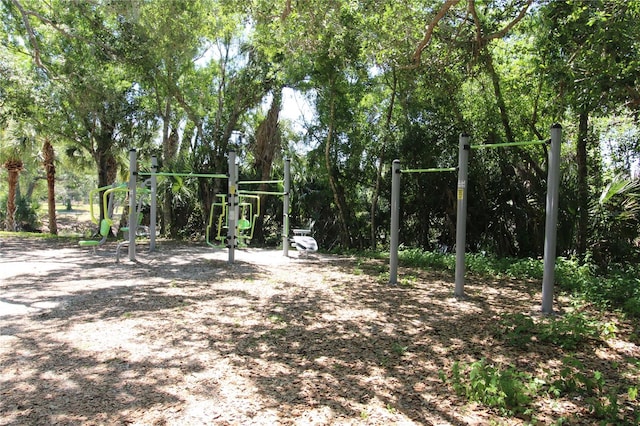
point(242, 191)
point(504, 144)
point(249, 182)
point(445, 169)
point(203, 175)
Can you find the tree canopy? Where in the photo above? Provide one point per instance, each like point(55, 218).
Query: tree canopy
point(190, 80)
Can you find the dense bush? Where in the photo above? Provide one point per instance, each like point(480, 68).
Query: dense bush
point(26, 217)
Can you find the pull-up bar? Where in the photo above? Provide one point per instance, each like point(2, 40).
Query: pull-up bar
point(395, 212)
point(433, 170)
point(255, 182)
point(198, 175)
point(551, 221)
point(244, 191)
point(509, 144)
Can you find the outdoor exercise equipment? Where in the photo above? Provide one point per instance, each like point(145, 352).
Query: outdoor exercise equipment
point(304, 242)
point(105, 228)
point(246, 226)
point(551, 221)
point(396, 171)
point(106, 222)
point(234, 221)
point(108, 203)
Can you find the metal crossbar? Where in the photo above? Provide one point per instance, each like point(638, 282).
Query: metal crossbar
point(203, 175)
point(242, 191)
point(433, 170)
point(505, 144)
point(254, 182)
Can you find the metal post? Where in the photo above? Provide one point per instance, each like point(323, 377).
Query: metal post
point(232, 205)
point(154, 206)
point(285, 207)
point(133, 173)
point(461, 224)
point(395, 222)
point(551, 222)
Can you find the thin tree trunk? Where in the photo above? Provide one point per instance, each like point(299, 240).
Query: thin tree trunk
point(168, 154)
point(268, 141)
point(338, 194)
point(502, 107)
point(14, 169)
point(504, 117)
point(376, 191)
point(583, 184)
point(50, 168)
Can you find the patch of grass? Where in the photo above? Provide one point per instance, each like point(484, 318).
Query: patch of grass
point(276, 319)
point(618, 288)
point(408, 281)
point(568, 332)
point(398, 348)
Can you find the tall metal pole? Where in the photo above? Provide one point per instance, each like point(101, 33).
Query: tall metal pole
point(285, 207)
point(232, 205)
point(461, 224)
point(133, 215)
point(395, 221)
point(154, 206)
point(551, 222)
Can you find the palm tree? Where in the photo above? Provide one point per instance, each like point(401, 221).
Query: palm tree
point(50, 169)
point(15, 145)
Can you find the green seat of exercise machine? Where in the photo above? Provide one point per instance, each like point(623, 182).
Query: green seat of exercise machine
point(105, 227)
point(244, 224)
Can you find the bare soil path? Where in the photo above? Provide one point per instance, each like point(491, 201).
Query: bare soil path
point(183, 338)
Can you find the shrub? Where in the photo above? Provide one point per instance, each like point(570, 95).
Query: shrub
point(507, 390)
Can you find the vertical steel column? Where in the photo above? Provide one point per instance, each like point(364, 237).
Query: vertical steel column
point(133, 216)
point(395, 222)
point(232, 205)
point(461, 224)
point(154, 205)
point(285, 207)
point(551, 222)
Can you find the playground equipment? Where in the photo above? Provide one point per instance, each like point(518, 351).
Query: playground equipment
point(553, 181)
point(239, 227)
point(105, 228)
point(107, 212)
point(395, 212)
point(245, 226)
point(108, 203)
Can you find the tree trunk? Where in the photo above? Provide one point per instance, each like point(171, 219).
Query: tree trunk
point(376, 190)
point(502, 107)
point(14, 167)
point(169, 149)
point(583, 184)
point(338, 193)
point(107, 166)
point(169, 152)
point(50, 168)
point(268, 142)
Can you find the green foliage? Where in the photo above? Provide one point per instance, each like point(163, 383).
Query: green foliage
point(505, 389)
point(513, 392)
point(26, 216)
point(568, 332)
point(618, 289)
point(426, 259)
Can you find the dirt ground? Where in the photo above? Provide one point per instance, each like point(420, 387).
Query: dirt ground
point(181, 337)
